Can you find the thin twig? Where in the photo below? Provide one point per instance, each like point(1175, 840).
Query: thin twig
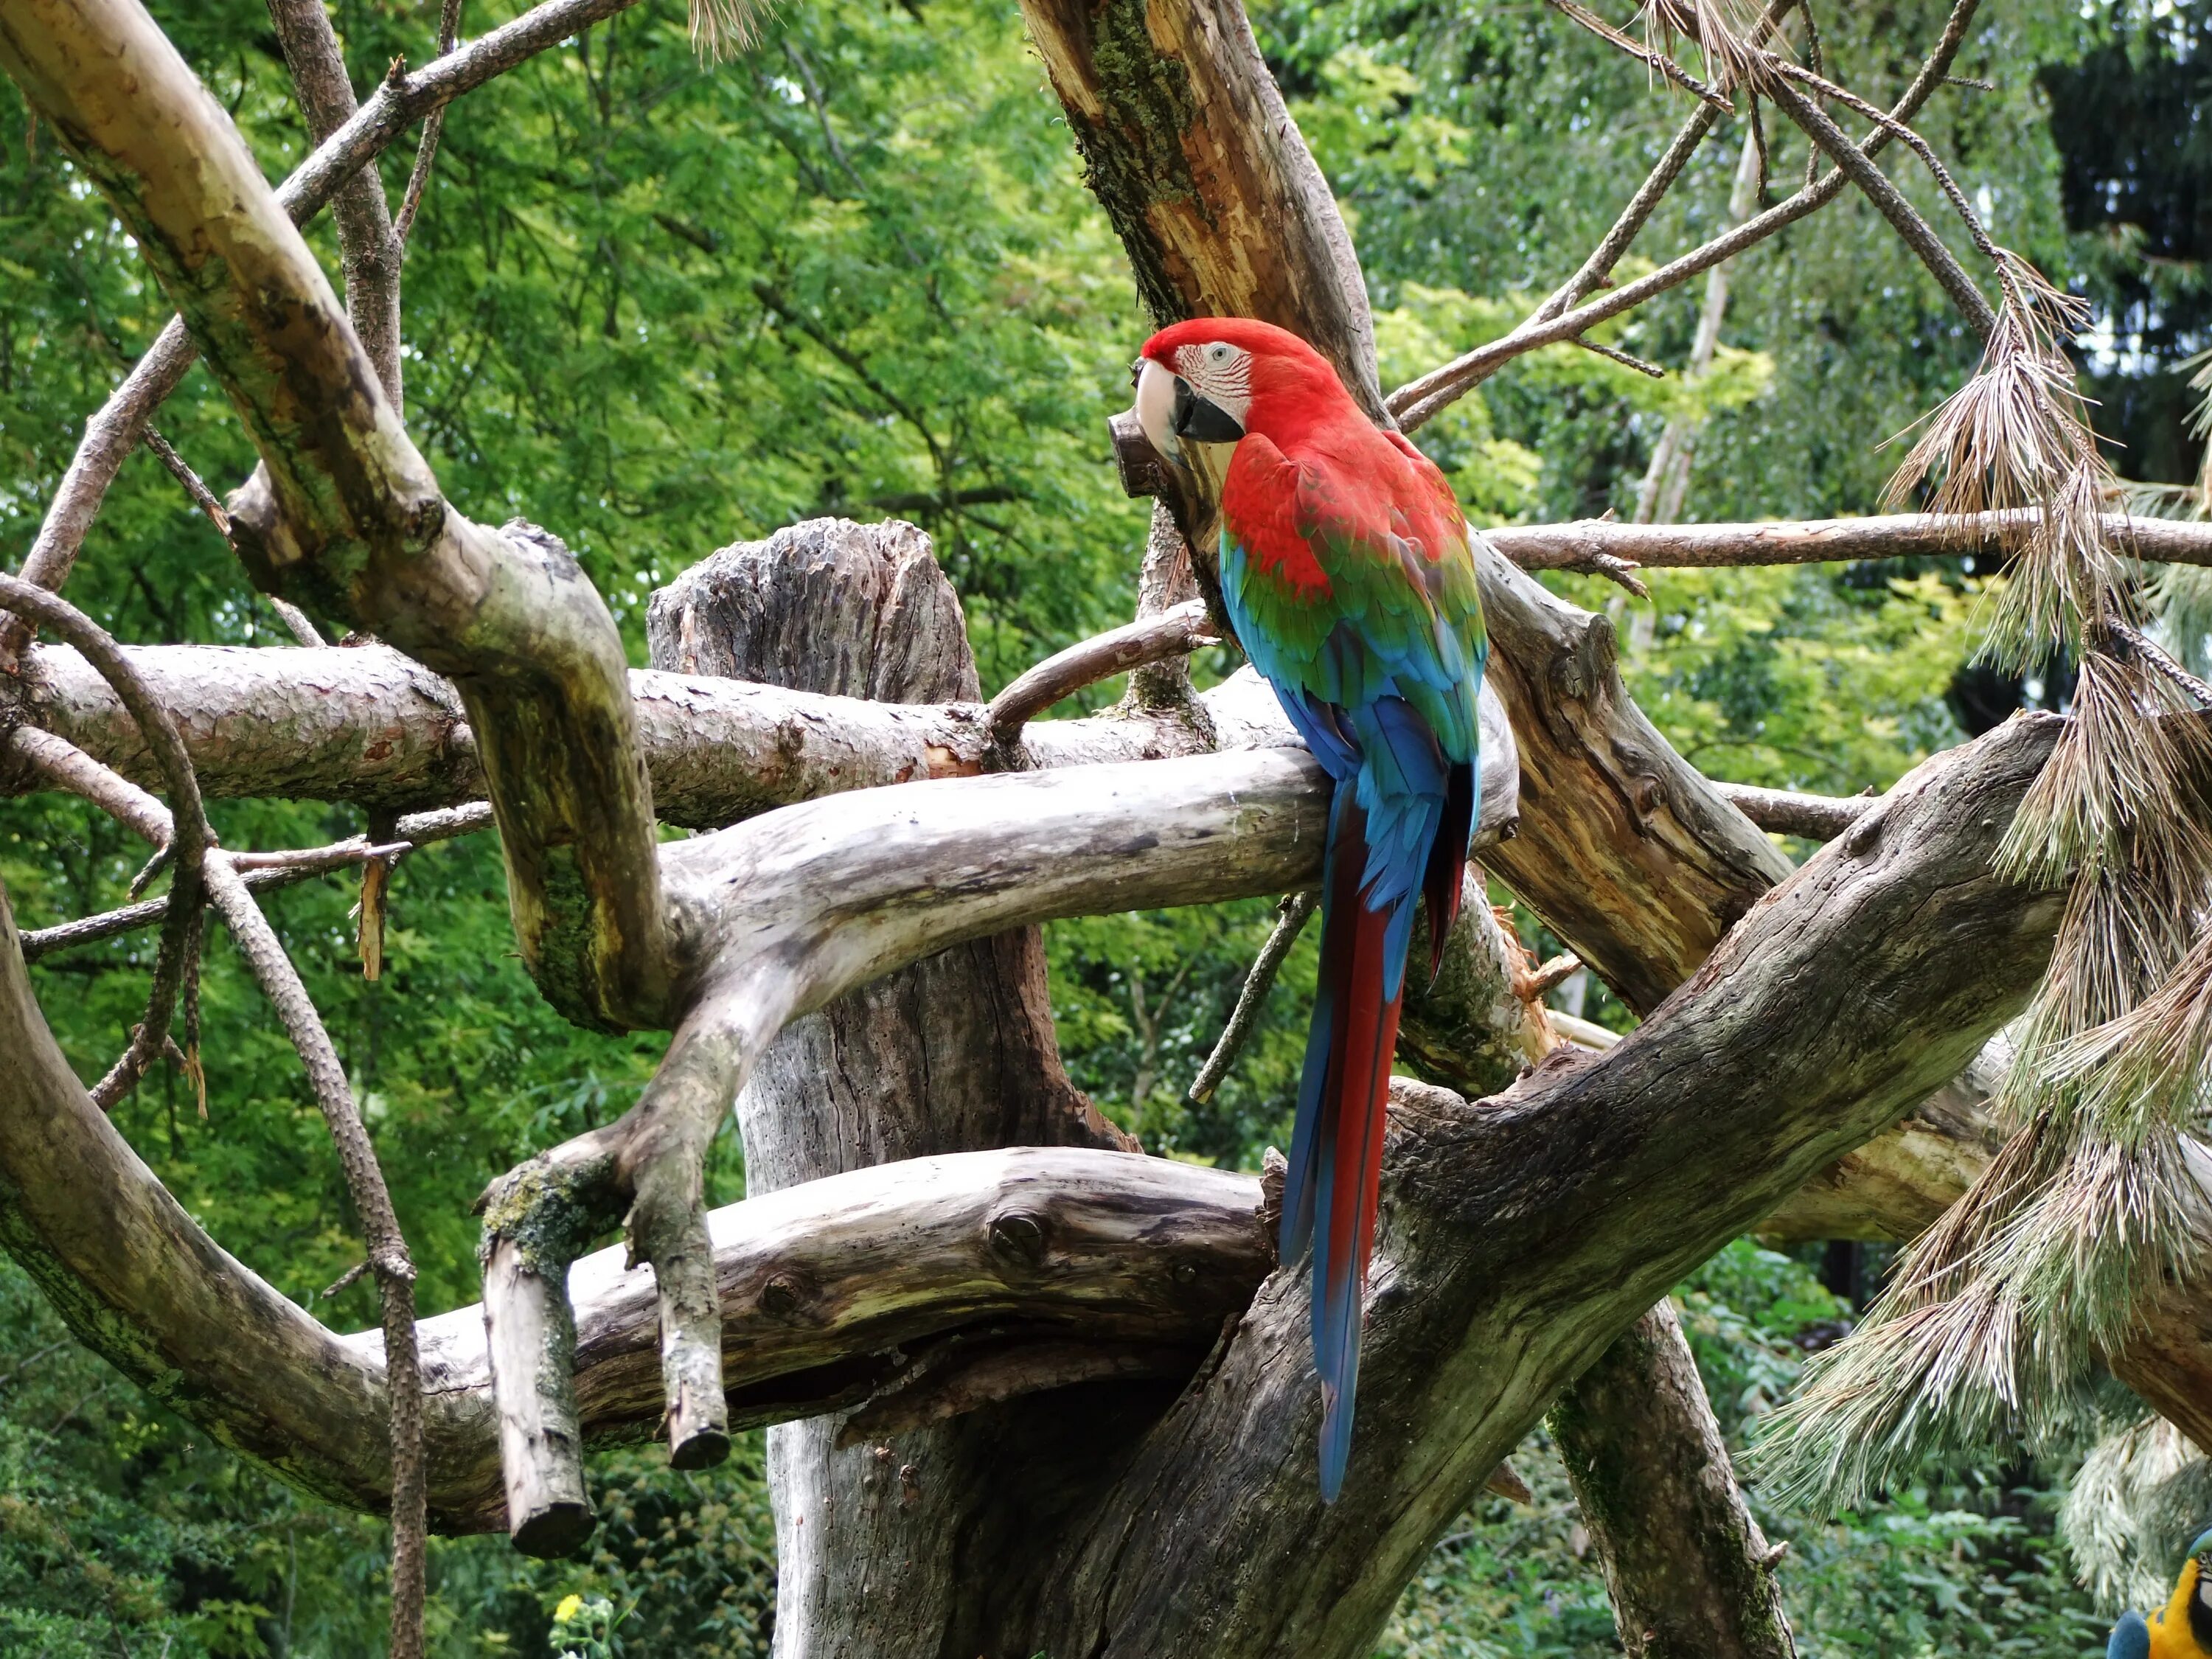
point(280, 982)
point(1173, 633)
point(1294, 912)
point(1625, 359)
point(1595, 270)
point(1916, 232)
point(293, 617)
point(1421, 400)
point(180, 470)
point(296, 622)
point(449, 26)
point(2156, 657)
point(180, 927)
point(1904, 135)
point(264, 872)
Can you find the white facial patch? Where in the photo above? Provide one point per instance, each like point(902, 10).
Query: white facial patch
point(1222, 374)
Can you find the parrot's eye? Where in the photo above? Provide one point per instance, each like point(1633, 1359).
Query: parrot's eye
point(1218, 352)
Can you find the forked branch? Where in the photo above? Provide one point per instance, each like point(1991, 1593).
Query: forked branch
point(345, 512)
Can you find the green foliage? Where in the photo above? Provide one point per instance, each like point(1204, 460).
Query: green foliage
point(659, 306)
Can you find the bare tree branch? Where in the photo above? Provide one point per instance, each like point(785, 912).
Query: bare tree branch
point(261, 872)
point(1895, 536)
point(1690, 1574)
point(1294, 913)
point(418, 179)
point(388, 1259)
point(367, 248)
point(345, 506)
point(188, 837)
point(112, 433)
point(1420, 400)
point(1913, 230)
point(1816, 817)
point(1174, 633)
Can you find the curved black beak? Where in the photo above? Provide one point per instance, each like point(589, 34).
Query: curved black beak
point(1201, 422)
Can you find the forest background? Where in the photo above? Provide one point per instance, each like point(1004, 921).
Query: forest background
point(667, 306)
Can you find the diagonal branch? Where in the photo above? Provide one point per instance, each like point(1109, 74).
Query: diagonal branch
point(1914, 231)
point(344, 509)
point(184, 833)
point(433, 124)
point(367, 249)
point(114, 431)
point(1418, 401)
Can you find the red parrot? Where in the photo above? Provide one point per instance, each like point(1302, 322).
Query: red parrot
point(1347, 572)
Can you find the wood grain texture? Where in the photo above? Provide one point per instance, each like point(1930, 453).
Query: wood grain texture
point(953, 1052)
point(1700, 1584)
point(1523, 1235)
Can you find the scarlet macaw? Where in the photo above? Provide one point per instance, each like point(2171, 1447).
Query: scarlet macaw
point(2182, 1629)
point(1346, 571)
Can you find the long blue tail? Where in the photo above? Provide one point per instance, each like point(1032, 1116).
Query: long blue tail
point(1397, 834)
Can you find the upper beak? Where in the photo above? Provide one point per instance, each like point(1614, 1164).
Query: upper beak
point(1168, 409)
point(1201, 422)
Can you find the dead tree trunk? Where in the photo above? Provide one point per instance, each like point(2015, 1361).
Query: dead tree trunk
point(1690, 1575)
point(884, 1545)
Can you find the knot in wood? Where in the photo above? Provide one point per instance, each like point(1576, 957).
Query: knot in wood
point(1862, 837)
point(1017, 1236)
point(782, 1296)
point(1644, 793)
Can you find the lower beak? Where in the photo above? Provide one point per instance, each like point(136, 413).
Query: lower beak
point(1201, 422)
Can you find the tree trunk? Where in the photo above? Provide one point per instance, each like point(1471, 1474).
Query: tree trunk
point(883, 1546)
point(1690, 1575)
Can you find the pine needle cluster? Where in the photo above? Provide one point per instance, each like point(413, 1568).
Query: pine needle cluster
point(1996, 1319)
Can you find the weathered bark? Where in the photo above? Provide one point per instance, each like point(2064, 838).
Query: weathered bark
point(1892, 1188)
point(1579, 545)
point(1626, 850)
point(1690, 1574)
point(1187, 144)
point(368, 726)
point(344, 512)
point(367, 250)
point(823, 1290)
point(1521, 1238)
point(399, 100)
point(954, 1054)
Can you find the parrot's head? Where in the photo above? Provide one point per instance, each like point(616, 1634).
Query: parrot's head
point(1213, 379)
point(2197, 1583)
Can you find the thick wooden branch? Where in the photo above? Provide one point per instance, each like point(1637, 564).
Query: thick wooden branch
point(1631, 855)
point(345, 512)
point(1689, 1572)
point(1188, 144)
point(401, 100)
point(1174, 633)
point(823, 1289)
point(1520, 1238)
